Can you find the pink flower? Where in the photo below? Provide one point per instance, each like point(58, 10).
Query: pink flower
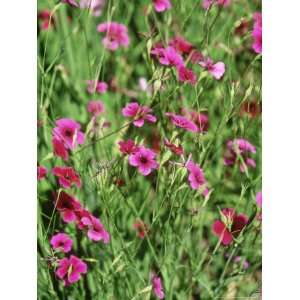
point(196, 56)
point(41, 172)
point(208, 3)
point(96, 86)
point(128, 147)
point(238, 259)
point(70, 269)
point(178, 150)
point(257, 33)
point(61, 242)
point(66, 176)
point(168, 56)
point(44, 16)
point(230, 226)
point(259, 199)
point(182, 122)
point(59, 149)
point(68, 206)
point(201, 120)
point(185, 74)
point(70, 2)
point(95, 107)
point(161, 5)
point(95, 230)
point(217, 70)
point(157, 287)
point(138, 113)
point(68, 132)
point(95, 6)
point(196, 177)
point(116, 35)
point(239, 147)
point(141, 228)
point(144, 160)
point(181, 45)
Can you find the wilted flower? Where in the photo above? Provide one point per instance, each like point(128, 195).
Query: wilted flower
point(70, 269)
point(41, 172)
point(127, 147)
point(144, 160)
point(141, 228)
point(229, 226)
point(196, 177)
point(116, 35)
point(96, 86)
point(61, 242)
point(161, 5)
point(95, 107)
point(157, 287)
point(178, 150)
point(182, 122)
point(181, 45)
point(251, 108)
point(217, 70)
point(95, 6)
point(66, 176)
point(186, 75)
point(257, 33)
point(59, 148)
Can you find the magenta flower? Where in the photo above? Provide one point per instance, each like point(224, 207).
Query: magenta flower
point(178, 150)
point(182, 122)
point(144, 160)
point(68, 132)
point(208, 3)
point(95, 230)
point(70, 2)
point(168, 56)
point(46, 20)
point(181, 45)
point(186, 75)
point(70, 269)
point(161, 5)
point(257, 33)
point(239, 147)
point(196, 177)
point(116, 35)
point(200, 119)
point(229, 226)
point(68, 206)
point(95, 6)
point(59, 149)
point(66, 177)
point(61, 242)
point(41, 172)
point(96, 86)
point(157, 287)
point(138, 113)
point(95, 107)
point(217, 70)
point(127, 147)
point(259, 199)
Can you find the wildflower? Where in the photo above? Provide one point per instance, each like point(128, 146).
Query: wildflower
point(259, 199)
point(169, 57)
point(41, 172)
point(95, 107)
point(46, 20)
point(178, 150)
point(238, 259)
point(67, 205)
point(257, 33)
point(229, 226)
point(181, 45)
point(116, 35)
point(239, 147)
point(157, 287)
point(68, 132)
point(66, 176)
point(61, 242)
point(144, 160)
point(127, 147)
point(196, 177)
point(96, 86)
point(200, 119)
point(208, 3)
point(141, 228)
point(95, 6)
point(72, 3)
point(196, 56)
point(139, 113)
point(161, 5)
point(144, 86)
point(59, 149)
point(70, 269)
point(182, 122)
point(217, 70)
point(185, 74)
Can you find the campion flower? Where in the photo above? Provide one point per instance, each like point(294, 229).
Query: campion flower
point(46, 20)
point(157, 287)
point(196, 57)
point(141, 228)
point(66, 177)
point(182, 122)
point(138, 113)
point(217, 70)
point(161, 5)
point(116, 35)
point(68, 132)
point(95, 6)
point(181, 45)
point(95, 107)
point(196, 177)
point(178, 150)
point(259, 199)
point(127, 147)
point(144, 160)
point(208, 3)
point(41, 172)
point(70, 269)
point(257, 33)
point(67, 205)
point(61, 242)
point(168, 56)
point(95, 230)
point(229, 226)
point(70, 2)
point(186, 75)
point(94, 86)
point(59, 149)
point(242, 148)
point(200, 119)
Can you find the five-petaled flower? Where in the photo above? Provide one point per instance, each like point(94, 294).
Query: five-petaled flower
point(95, 107)
point(66, 176)
point(196, 177)
point(217, 70)
point(162, 5)
point(182, 122)
point(157, 287)
point(61, 242)
point(127, 147)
